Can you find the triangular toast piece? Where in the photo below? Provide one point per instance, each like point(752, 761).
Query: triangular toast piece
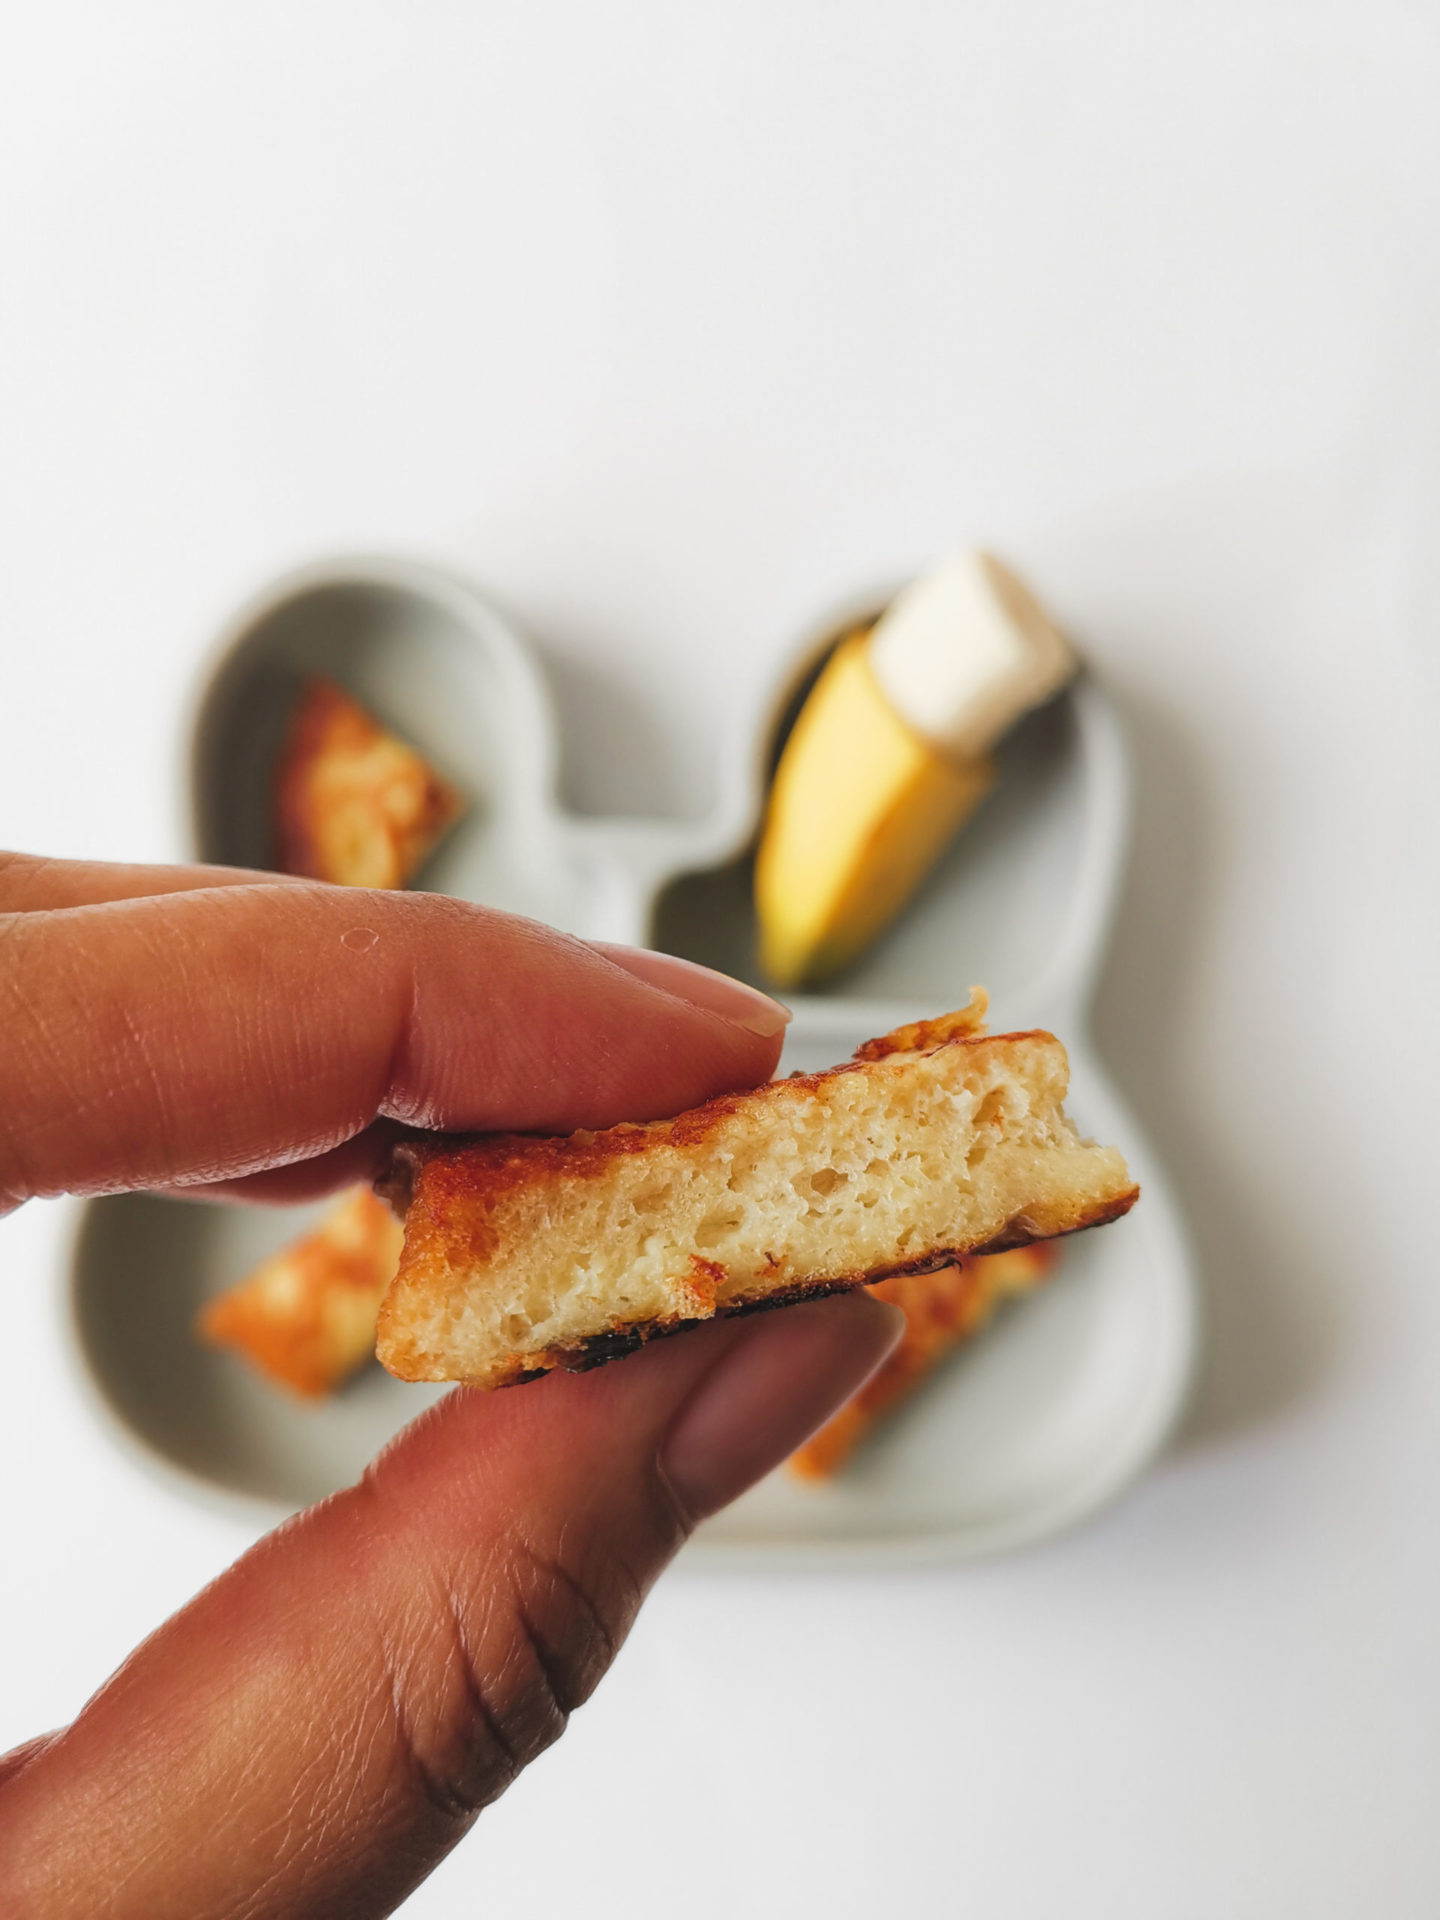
point(306, 1316)
point(353, 803)
point(942, 1310)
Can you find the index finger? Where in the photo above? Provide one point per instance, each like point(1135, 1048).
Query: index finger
point(206, 1035)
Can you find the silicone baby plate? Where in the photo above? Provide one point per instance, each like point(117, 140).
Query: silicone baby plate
point(1054, 1410)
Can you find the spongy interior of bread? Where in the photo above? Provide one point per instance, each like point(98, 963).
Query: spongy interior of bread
point(866, 1171)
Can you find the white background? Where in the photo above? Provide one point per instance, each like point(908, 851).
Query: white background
point(677, 324)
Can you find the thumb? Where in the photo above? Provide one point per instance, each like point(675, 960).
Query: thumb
point(315, 1731)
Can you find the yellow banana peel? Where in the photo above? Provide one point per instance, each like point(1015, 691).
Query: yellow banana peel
point(860, 808)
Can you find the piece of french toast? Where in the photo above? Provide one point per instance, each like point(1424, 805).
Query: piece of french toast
point(306, 1316)
point(525, 1253)
point(353, 804)
point(942, 1310)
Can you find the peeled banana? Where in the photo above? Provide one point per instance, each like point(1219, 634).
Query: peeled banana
point(889, 756)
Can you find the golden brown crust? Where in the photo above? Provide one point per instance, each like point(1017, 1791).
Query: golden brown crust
point(923, 1035)
point(353, 804)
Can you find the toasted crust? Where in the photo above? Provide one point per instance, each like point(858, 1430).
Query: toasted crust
point(943, 1309)
point(523, 1253)
point(353, 804)
point(305, 1317)
point(921, 1036)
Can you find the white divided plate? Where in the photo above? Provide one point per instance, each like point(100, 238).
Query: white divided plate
point(1058, 1406)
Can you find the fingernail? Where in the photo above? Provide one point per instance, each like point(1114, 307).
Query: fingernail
point(703, 987)
point(770, 1392)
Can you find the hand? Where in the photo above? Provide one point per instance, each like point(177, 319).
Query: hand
point(317, 1728)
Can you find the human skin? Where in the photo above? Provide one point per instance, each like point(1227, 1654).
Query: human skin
point(317, 1728)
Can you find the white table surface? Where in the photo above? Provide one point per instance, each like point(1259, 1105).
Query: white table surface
point(676, 324)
